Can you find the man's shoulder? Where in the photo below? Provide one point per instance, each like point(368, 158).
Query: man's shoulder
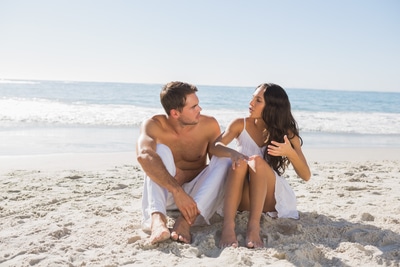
point(208, 118)
point(155, 121)
point(208, 126)
point(158, 118)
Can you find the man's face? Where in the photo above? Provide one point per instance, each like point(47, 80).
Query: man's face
point(190, 114)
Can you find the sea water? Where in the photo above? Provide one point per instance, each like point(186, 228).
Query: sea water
point(42, 117)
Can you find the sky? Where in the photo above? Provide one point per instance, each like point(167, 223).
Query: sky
point(342, 44)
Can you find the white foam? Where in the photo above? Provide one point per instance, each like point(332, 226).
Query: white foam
point(349, 122)
point(16, 112)
point(41, 112)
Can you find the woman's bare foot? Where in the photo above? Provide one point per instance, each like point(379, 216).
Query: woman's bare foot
point(181, 231)
point(159, 229)
point(228, 237)
point(253, 239)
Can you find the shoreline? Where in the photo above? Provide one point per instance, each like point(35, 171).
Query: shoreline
point(98, 161)
point(354, 154)
point(105, 160)
point(87, 140)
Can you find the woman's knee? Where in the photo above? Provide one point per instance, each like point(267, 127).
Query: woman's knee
point(239, 173)
point(260, 165)
point(259, 162)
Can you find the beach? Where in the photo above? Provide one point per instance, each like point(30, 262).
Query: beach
point(84, 209)
point(70, 186)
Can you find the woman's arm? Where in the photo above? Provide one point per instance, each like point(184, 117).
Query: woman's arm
point(294, 154)
point(220, 149)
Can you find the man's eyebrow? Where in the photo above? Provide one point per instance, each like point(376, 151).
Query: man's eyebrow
point(195, 104)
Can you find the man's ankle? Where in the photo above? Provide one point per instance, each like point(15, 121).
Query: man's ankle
point(158, 217)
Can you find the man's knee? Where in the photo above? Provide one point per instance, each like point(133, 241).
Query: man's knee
point(163, 150)
point(167, 158)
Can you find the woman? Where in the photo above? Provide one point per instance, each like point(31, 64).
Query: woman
point(267, 141)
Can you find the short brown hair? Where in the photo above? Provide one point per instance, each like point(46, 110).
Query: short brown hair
point(173, 95)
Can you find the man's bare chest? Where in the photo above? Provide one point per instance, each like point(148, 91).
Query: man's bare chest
point(187, 149)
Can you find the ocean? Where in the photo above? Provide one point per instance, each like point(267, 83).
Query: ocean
point(46, 117)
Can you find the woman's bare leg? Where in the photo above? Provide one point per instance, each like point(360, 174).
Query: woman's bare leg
point(233, 195)
point(261, 192)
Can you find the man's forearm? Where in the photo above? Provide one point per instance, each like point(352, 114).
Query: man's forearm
point(155, 169)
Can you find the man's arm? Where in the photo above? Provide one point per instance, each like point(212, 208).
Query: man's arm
point(150, 161)
point(155, 169)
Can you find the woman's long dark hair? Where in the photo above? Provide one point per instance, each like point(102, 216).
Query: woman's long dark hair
point(279, 121)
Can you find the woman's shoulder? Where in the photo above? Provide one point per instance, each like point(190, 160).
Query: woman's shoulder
point(237, 124)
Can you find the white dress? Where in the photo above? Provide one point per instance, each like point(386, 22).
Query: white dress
point(284, 195)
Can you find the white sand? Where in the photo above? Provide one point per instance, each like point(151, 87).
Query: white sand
point(84, 210)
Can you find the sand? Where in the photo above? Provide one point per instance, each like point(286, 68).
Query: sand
point(84, 210)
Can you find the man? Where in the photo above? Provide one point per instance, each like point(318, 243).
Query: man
point(173, 150)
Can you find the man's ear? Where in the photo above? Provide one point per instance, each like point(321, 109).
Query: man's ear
point(174, 113)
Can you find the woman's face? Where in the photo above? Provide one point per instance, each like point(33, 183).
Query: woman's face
point(257, 103)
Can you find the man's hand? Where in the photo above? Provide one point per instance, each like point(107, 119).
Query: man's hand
point(186, 205)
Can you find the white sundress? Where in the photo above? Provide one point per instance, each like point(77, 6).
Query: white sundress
point(284, 195)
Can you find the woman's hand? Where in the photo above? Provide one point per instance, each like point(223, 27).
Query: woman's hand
point(294, 155)
point(238, 158)
point(280, 149)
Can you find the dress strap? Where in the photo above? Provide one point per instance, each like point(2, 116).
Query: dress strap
point(244, 123)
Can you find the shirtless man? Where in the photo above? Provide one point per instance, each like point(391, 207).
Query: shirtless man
point(173, 150)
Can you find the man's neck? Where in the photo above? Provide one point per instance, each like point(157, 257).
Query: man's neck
point(178, 127)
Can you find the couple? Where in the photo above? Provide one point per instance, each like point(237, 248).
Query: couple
point(189, 167)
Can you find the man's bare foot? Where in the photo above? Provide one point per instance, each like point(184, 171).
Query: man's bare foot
point(159, 229)
point(228, 237)
point(253, 239)
point(181, 231)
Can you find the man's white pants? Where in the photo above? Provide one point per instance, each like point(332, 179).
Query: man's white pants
point(207, 189)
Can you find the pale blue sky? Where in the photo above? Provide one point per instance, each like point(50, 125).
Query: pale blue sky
point(343, 44)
